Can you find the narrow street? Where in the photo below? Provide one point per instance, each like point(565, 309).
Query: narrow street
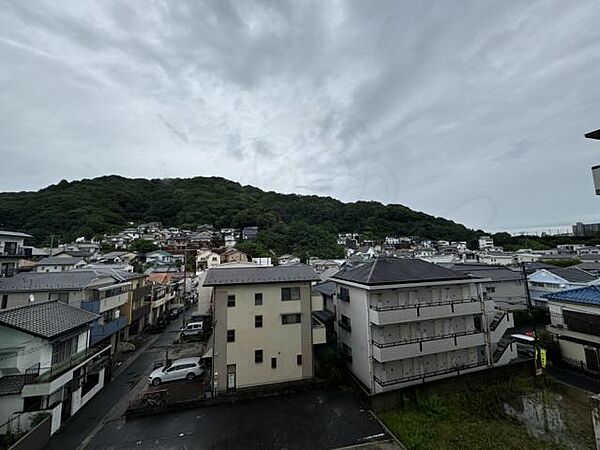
point(111, 401)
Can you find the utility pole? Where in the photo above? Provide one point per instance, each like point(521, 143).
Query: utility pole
point(536, 349)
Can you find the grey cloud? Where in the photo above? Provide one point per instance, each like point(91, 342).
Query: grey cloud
point(469, 110)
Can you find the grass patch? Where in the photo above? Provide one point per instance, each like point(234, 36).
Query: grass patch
point(478, 419)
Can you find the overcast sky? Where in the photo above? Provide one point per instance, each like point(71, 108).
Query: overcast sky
point(472, 110)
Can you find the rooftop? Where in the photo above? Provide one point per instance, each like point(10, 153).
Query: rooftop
point(65, 280)
point(496, 273)
point(589, 295)
point(46, 319)
point(397, 271)
point(259, 274)
point(572, 274)
point(59, 261)
point(14, 234)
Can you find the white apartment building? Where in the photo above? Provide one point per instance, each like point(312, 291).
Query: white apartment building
point(402, 322)
point(264, 330)
point(11, 251)
point(486, 242)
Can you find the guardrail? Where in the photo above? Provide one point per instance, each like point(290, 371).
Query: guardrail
point(423, 339)
point(424, 305)
point(424, 376)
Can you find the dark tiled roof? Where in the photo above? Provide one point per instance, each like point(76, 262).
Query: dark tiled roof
point(397, 271)
point(260, 274)
point(572, 274)
point(327, 288)
point(589, 295)
point(46, 319)
point(12, 384)
point(59, 261)
point(39, 281)
point(496, 273)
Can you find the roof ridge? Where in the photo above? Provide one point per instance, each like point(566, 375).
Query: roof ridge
point(372, 269)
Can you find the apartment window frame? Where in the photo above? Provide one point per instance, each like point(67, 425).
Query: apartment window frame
point(231, 300)
point(274, 362)
point(290, 294)
point(344, 294)
point(285, 319)
point(258, 356)
point(299, 359)
point(231, 335)
point(258, 321)
point(345, 322)
point(258, 299)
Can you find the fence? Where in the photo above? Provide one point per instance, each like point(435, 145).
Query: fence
point(580, 366)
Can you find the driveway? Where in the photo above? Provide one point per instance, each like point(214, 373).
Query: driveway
point(319, 419)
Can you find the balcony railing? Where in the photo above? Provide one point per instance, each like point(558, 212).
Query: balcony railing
point(425, 305)
point(39, 374)
point(423, 339)
point(423, 377)
point(100, 332)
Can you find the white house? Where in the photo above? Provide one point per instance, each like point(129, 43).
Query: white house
point(47, 363)
point(11, 251)
point(485, 243)
point(205, 259)
point(59, 264)
point(556, 279)
point(496, 258)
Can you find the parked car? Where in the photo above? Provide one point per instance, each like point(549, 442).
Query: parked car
point(524, 344)
point(180, 369)
point(192, 329)
point(174, 313)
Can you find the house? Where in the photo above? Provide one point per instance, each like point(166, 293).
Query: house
point(590, 267)
point(575, 323)
point(59, 264)
point(288, 259)
point(496, 258)
point(233, 255)
point(486, 243)
point(229, 240)
point(504, 286)
point(165, 293)
point(205, 259)
point(12, 251)
point(264, 329)
point(249, 233)
point(100, 292)
point(160, 257)
point(117, 257)
point(47, 362)
point(402, 322)
point(555, 279)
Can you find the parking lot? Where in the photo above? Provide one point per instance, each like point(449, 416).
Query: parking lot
point(320, 419)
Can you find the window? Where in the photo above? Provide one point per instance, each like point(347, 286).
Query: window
point(258, 299)
point(273, 363)
point(490, 289)
point(287, 319)
point(230, 301)
point(290, 293)
point(298, 360)
point(230, 335)
point(347, 353)
point(258, 321)
point(62, 350)
point(344, 294)
point(4, 301)
point(60, 296)
point(258, 356)
point(345, 322)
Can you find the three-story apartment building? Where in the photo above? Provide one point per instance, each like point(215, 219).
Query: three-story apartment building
point(405, 321)
point(12, 251)
point(264, 330)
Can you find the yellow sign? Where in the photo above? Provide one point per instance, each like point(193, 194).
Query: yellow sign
point(543, 357)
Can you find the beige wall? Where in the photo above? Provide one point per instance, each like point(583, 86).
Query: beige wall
point(283, 342)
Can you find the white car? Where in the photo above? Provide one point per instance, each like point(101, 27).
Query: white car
point(191, 329)
point(180, 369)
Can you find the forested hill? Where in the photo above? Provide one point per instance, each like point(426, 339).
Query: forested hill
point(288, 223)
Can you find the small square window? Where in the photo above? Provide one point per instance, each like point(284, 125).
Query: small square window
point(258, 321)
point(290, 293)
point(230, 335)
point(231, 301)
point(287, 319)
point(273, 363)
point(258, 299)
point(258, 356)
point(298, 360)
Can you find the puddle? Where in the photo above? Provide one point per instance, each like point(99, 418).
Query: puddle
point(541, 415)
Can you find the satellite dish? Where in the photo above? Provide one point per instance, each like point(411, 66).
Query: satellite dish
point(31, 298)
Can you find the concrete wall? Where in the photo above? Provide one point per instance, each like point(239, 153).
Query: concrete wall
point(283, 342)
point(9, 404)
point(23, 351)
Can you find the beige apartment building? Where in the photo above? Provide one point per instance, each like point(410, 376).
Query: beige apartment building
point(264, 331)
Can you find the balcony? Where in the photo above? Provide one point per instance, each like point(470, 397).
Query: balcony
point(45, 380)
point(387, 315)
point(319, 335)
point(15, 253)
point(395, 350)
point(384, 382)
point(105, 304)
point(100, 332)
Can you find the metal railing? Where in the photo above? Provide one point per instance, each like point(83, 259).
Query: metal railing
point(424, 305)
point(424, 339)
point(39, 374)
point(424, 376)
point(580, 365)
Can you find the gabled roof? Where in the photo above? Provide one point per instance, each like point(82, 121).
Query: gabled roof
point(46, 319)
point(14, 234)
point(326, 288)
point(67, 280)
point(223, 276)
point(397, 271)
point(589, 295)
point(572, 274)
point(59, 261)
point(496, 273)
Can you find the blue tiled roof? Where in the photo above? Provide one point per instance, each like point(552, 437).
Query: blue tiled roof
point(589, 295)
